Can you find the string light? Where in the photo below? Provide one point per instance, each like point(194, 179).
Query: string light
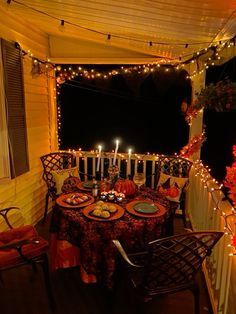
point(192, 113)
point(102, 33)
point(67, 74)
point(203, 172)
point(211, 44)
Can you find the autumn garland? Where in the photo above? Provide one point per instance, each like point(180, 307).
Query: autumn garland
point(193, 146)
point(191, 113)
point(230, 179)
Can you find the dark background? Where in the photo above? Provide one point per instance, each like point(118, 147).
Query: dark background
point(144, 112)
point(220, 126)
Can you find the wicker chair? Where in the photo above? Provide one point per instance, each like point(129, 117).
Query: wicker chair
point(170, 264)
point(23, 246)
point(178, 168)
point(52, 162)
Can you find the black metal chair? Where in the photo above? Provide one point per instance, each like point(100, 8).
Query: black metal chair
point(170, 264)
point(23, 246)
point(178, 168)
point(52, 162)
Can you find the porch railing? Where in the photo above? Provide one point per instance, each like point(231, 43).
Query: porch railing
point(147, 163)
point(208, 210)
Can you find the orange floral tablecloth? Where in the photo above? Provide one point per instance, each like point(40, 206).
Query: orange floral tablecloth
point(78, 240)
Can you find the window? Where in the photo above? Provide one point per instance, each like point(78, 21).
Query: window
point(13, 136)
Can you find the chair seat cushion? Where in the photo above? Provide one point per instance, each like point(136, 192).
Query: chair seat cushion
point(10, 257)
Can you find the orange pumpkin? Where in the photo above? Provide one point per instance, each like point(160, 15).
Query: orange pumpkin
point(125, 186)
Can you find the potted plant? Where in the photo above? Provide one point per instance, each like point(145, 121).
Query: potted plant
point(219, 97)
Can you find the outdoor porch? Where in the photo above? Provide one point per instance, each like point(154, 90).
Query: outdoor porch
point(205, 204)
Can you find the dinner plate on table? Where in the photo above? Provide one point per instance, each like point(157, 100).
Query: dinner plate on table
point(145, 208)
point(74, 200)
point(119, 212)
point(87, 185)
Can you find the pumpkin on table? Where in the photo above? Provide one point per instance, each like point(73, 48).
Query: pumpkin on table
point(125, 186)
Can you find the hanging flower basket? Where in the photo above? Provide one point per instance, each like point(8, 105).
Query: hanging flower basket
point(220, 97)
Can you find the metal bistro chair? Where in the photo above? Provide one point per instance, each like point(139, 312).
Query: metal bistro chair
point(23, 246)
point(169, 264)
point(51, 162)
point(175, 170)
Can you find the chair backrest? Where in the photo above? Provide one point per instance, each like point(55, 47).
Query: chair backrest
point(171, 263)
point(174, 170)
point(56, 161)
point(174, 165)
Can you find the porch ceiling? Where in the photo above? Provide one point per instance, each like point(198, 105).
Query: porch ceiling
point(138, 29)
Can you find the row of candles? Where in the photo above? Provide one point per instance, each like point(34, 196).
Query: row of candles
point(115, 156)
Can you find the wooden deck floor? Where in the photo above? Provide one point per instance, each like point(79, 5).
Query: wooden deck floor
point(24, 293)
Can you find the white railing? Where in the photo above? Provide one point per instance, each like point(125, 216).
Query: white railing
point(207, 211)
point(147, 163)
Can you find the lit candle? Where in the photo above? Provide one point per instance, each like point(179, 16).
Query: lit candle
point(116, 149)
point(129, 162)
point(99, 156)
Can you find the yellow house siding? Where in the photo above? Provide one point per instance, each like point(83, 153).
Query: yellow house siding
point(28, 190)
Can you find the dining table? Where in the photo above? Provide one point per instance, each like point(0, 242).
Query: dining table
point(78, 238)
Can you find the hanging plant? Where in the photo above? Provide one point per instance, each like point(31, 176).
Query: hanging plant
point(220, 97)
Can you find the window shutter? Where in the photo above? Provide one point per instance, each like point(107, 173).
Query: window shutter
point(15, 108)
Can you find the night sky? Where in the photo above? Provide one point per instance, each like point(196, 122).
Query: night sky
point(220, 126)
point(144, 112)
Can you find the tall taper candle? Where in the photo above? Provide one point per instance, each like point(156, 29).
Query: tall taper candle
point(129, 162)
point(116, 149)
point(99, 157)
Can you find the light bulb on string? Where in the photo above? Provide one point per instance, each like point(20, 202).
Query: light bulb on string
point(62, 26)
point(108, 39)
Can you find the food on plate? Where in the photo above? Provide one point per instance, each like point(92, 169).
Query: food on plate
point(99, 203)
point(104, 207)
point(112, 208)
point(103, 210)
point(76, 199)
point(97, 212)
point(105, 214)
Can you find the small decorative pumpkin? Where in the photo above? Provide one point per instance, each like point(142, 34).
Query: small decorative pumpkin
point(125, 186)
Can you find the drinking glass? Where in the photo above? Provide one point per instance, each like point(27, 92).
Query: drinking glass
point(139, 179)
